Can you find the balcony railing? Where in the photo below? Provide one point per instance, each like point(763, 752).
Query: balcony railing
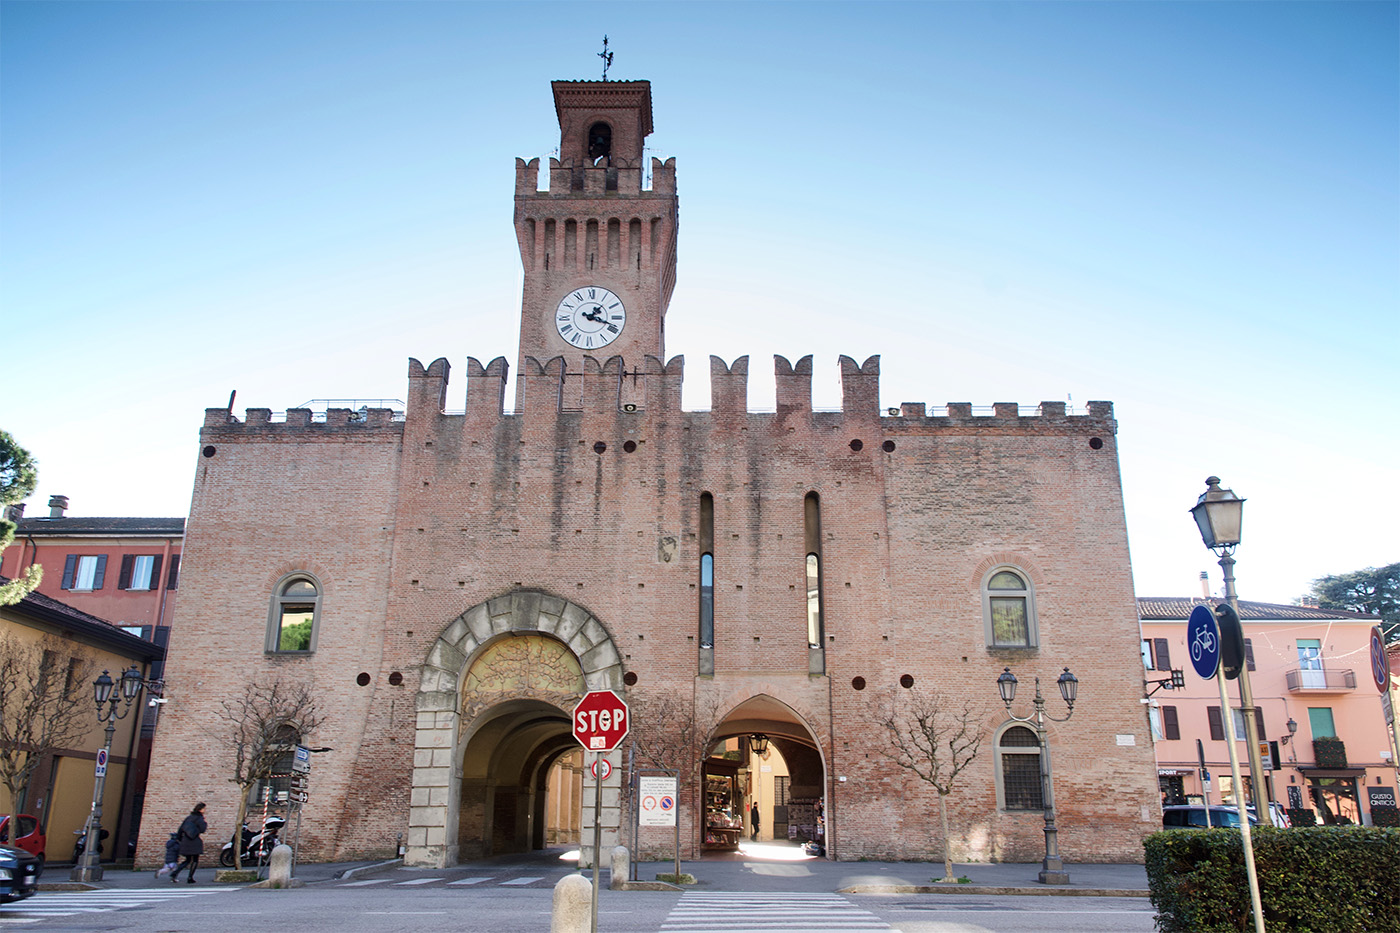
point(1324, 681)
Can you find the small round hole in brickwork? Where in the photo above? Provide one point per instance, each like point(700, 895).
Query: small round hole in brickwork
point(858, 683)
point(599, 447)
point(363, 679)
point(887, 447)
point(857, 444)
point(629, 446)
point(906, 681)
point(630, 678)
point(1095, 443)
point(210, 450)
point(395, 678)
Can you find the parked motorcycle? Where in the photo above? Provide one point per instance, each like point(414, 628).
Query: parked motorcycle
point(257, 847)
point(80, 846)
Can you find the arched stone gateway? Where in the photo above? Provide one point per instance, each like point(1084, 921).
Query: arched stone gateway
point(494, 699)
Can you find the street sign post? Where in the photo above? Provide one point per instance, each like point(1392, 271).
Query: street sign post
point(657, 796)
point(1203, 637)
point(101, 769)
point(601, 722)
point(1380, 670)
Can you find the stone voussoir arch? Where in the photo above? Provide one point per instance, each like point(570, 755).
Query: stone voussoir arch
point(431, 838)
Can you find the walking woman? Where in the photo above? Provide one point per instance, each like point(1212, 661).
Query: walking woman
point(191, 846)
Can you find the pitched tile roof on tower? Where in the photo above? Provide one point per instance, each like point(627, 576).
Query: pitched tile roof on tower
point(1165, 608)
point(164, 527)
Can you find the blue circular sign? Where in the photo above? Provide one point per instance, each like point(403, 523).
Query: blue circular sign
point(1203, 641)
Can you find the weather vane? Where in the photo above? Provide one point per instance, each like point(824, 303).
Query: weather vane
point(606, 56)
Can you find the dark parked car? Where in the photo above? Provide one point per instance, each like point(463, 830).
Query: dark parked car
point(1194, 817)
point(19, 874)
point(22, 831)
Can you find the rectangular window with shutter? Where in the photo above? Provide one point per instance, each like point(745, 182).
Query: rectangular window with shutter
point(139, 572)
point(172, 578)
point(1171, 726)
point(1161, 654)
point(1217, 724)
point(1249, 654)
point(84, 572)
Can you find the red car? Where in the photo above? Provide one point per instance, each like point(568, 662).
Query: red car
point(22, 832)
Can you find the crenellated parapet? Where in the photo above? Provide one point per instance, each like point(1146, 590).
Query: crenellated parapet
point(550, 389)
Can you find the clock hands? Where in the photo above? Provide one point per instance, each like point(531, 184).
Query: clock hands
point(595, 315)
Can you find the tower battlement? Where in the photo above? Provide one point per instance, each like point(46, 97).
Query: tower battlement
point(610, 388)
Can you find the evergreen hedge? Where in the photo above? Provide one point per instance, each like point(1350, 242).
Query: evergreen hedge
point(1324, 879)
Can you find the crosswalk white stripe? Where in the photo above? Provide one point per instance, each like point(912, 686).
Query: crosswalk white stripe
point(523, 880)
point(468, 881)
point(360, 884)
point(418, 881)
point(744, 912)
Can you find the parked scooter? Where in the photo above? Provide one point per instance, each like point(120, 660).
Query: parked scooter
point(257, 847)
point(80, 846)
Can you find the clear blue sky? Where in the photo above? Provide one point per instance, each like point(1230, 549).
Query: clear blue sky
point(1189, 209)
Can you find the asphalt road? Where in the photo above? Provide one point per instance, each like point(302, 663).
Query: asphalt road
point(437, 906)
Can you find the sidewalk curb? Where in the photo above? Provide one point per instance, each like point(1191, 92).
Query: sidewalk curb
point(349, 873)
point(989, 889)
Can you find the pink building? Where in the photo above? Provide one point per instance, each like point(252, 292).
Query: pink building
point(1327, 746)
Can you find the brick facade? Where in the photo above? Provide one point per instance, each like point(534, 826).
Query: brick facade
point(434, 535)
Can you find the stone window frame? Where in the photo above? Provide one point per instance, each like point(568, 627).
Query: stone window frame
point(1028, 594)
point(281, 601)
point(999, 752)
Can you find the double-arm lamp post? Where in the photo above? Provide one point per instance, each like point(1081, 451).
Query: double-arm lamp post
point(114, 700)
point(1219, 514)
point(1052, 870)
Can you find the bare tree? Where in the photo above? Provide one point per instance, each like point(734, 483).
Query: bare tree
point(669, 733)
point(45, 705)
point(264, 724)
point(936, 740)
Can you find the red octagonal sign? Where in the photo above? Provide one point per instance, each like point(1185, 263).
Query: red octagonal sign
point(601, 721)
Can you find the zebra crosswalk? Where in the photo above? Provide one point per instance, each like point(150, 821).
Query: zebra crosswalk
point(520, 881)
point(739, 912)
point(47, 904)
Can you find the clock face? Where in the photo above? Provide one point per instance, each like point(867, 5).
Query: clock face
point(590, 317)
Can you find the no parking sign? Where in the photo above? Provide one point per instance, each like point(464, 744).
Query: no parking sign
point(656, 801)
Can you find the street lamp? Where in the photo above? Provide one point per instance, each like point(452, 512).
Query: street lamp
point(114, 701)
point(1219, 514)
point(758, 743)
point(1052, 870)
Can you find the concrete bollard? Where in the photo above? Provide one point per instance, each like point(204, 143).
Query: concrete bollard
point(573, 905)
point(621, 870)
point(279, 867)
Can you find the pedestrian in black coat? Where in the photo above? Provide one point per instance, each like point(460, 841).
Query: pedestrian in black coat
point(191, 846)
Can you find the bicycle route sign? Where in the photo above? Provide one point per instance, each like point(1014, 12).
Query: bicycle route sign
point(1203, 637)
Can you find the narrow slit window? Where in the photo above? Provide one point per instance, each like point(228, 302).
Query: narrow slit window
point(707, 571)
point(812, 536)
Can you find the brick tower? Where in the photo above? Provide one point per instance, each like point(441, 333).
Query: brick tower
point(598, 248)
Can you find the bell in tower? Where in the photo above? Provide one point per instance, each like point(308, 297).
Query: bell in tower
point(600, 144)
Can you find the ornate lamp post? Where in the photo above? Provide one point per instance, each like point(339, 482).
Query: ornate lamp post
point(1219, 513)
point(112, 704)
point(1052, 870)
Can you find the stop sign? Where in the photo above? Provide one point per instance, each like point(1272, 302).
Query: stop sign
point(601, 721)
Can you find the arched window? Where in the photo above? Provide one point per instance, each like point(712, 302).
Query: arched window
point(1018, 770)
point(295, 616)
point(1008, 609)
